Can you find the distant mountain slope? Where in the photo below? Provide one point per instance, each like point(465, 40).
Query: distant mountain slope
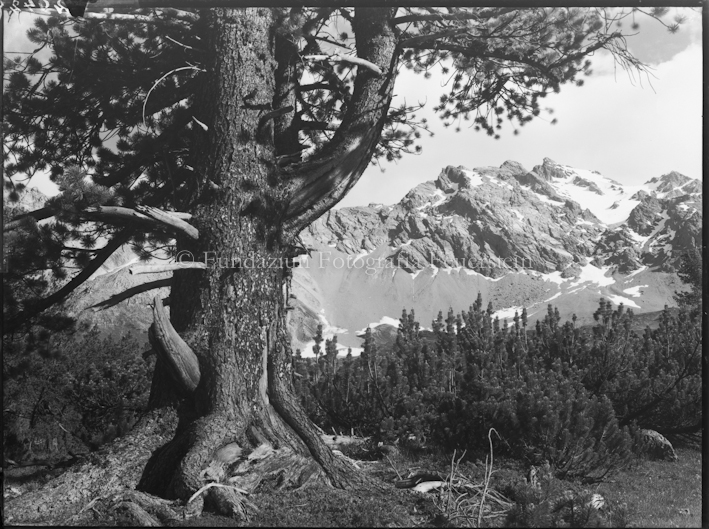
point(553, 235)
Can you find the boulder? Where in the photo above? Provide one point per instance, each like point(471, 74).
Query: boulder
point(655, 446)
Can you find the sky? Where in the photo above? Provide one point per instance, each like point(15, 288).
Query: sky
point(629, 130)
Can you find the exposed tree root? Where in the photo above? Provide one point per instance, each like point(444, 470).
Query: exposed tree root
point(114, 469)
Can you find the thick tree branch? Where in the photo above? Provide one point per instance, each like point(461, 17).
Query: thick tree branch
point(169, 267)
point(48, 212)
point(315, 86)
point(122, 296)
point(180, 360)
point(34, 309)
point(146, 19)
point(142, 215)
point(168, 218)
point(321, 182)
point(37, 214)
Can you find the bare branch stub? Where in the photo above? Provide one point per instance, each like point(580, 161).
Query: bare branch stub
point(169, 267)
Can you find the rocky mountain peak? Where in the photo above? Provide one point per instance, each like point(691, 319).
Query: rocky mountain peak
point(513, 168)
point(550, 170)
point(673, 184)
point(452, 179)
point(673, 178)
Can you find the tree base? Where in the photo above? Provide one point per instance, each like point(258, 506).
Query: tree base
point(113, 469)
point(103, 490)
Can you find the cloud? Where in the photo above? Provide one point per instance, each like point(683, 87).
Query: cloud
point(628, 128)
point(654, 44)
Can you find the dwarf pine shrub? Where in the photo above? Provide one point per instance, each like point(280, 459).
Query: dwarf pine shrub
point(71, 396)
point(554, 392)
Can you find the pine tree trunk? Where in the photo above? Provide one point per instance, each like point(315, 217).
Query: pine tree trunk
point(233, 313)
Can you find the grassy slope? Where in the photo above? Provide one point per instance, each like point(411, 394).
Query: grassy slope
point(662, 494)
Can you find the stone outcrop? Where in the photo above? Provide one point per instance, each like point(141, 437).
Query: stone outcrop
point(655, 446)
point(646, 215)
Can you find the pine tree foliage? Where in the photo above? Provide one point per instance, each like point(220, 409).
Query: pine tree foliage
point(693, 274)
point(556, 392)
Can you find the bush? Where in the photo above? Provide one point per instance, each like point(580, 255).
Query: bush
point(654, 381)
point(541, 416)
point(472, 374)
point(69, 396)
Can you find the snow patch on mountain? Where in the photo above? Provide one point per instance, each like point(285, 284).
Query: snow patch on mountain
point(473, 177)
point(605, 198)
point(614, 298)
point(507, 313)
point(558, 294)
point(636, 272)
point(554, 277)
point(441, 199)
point(328, 332)
point(593, 274)
point(635, 291)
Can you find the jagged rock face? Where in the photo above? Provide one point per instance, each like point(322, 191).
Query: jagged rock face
point(489, 219)
point(510, 217)
point(646, 215)
point(549, 170)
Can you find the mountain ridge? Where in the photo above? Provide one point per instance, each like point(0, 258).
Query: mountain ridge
point(523, 238)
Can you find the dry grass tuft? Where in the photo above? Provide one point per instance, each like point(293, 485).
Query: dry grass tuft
point(466, 503)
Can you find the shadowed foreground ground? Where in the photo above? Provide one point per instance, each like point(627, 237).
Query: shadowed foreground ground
point(657, 494)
